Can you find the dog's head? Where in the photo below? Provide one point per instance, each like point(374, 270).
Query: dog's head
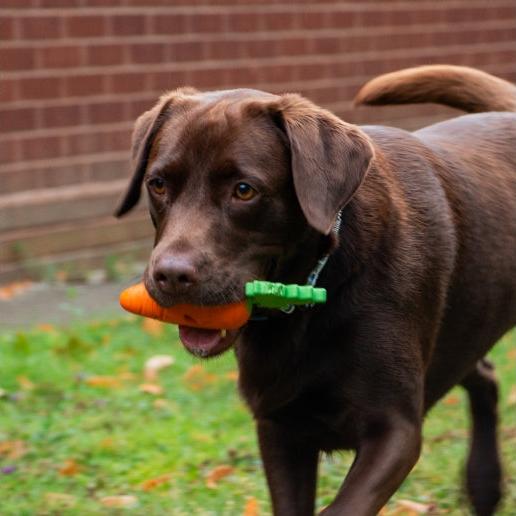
point(237, 181)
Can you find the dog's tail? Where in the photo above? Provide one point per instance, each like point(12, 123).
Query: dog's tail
point(456, 86)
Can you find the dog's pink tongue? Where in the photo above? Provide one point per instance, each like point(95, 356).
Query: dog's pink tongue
point(200, 341)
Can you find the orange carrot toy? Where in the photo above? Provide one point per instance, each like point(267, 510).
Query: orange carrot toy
point(137, 300)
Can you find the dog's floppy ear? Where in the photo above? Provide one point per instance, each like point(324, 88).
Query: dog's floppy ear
point(145, 130)
point(329, 158)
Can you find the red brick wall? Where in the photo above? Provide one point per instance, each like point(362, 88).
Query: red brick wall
point(76, 73)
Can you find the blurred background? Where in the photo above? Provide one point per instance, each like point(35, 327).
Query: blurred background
point(101, 411)
point(76, 73)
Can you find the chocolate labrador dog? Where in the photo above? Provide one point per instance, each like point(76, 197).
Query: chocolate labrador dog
point(420, 277)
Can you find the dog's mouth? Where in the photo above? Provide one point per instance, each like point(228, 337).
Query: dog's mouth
point(206, 343)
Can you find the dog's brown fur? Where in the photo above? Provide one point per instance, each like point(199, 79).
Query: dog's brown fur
point(421, 283)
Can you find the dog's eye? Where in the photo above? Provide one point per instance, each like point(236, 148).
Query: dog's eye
point(157, 185)
point(244, 192)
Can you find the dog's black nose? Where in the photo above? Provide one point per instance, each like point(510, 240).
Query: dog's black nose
point(174, 273)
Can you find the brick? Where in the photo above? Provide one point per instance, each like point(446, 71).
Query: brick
point(128, 25)
point(17, 119)
point(226, 49)
point(9, 151)
point(40, 88)
point(87, 143)
point(105, 55)
point(108, 170)
point(162, 81)
point(278, 21)
point(41, 147)
point(189, 51)
point(61, 57)
point(61, 116)
point(137, 107)
point(128, 82)
point(40, 27)
point(243, 22)
point(17, 59)
point(147, 53)
point(9, 89)
point(208, 23)
point(170, 24)
point(81, 85)
point(6, 28)
point(85, 26)
point(119, 140)
point(106, 112)
point(293, 46)
point(310, 20)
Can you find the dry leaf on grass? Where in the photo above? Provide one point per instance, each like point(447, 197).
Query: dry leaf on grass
point(152, 483)
point(251, 507)
point(216, 474)
point(511, 400)
point(160, 403)
point(61, 499)
point(108, 443)
point(122, 501)
point(153, 327)
point(45, 327)
point(126, 376)
point(151, 388)
point(69, 468)
point(154, 365)
point(13, 449)
point(452, 399)
point(410, 508)
point(511, 355)
point(105, 382)
point(232, 375)
point(24, 383)
point(197, 378)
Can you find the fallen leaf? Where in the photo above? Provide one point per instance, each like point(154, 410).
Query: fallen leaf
point(154, 365)
point(13, 449)
point(62, 499)
point(108, 443)
point(512, 354)
point(251, 507)
point(151, 388)
point(25, 383)
point(46, 328)
point(121, 501)
point(511, 400)
point(106, 382)
point(13, 289)
point(69, 468)
point(232, 375)
point(216, 474)
point(126, 376)
point(153, 327)
point(410, 508)
point(161, 403)
point(152, 483)
point(197, 378)
point(451, 400)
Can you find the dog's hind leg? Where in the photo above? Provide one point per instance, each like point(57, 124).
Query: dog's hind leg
point(483, 471)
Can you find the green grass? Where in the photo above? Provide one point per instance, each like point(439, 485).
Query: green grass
point(119, 438)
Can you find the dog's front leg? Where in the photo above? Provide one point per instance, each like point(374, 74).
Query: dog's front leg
point(290, 467)
point(387, 453)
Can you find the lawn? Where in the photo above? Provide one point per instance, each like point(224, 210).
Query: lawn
point(84, 431)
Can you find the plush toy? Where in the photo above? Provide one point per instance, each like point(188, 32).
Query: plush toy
point(265, 294)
